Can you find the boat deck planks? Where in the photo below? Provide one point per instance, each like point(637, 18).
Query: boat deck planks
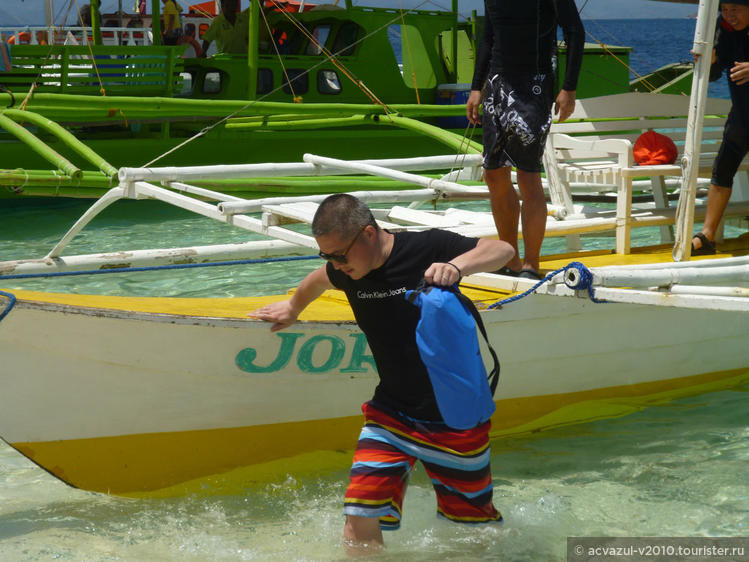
point(641, 255)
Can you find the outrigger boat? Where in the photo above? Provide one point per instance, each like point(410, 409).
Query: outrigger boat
point(130, 98)
point(130, 395)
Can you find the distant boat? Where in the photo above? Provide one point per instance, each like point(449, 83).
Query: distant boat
point(382, 58)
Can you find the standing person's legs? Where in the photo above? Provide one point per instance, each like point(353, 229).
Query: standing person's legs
point(717, 200)
point(730, 154)
point(533, 213)
point(505, 209)
point(516, 121)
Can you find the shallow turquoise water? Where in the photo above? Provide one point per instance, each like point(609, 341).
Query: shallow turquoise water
point(674, 470)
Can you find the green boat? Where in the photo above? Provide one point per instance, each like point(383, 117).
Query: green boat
point(344, 82)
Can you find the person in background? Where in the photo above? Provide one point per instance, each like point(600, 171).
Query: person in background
point(403, 423)
point(514, 67)
point(172, 23)
point(84, 14)
point(230, 29)
point(731, 53)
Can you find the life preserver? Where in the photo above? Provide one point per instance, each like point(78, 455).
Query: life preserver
point(24, 38)
point(190, 40)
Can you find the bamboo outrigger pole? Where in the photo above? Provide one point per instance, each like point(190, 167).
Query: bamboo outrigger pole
point(95, 22)
point(703, 44)
point(156, 21)
point(252, 49)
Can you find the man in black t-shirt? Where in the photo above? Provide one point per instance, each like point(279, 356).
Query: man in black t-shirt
point(403, 424)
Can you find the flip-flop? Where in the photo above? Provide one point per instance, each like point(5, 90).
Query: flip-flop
point(530, 274)
point(707, 248)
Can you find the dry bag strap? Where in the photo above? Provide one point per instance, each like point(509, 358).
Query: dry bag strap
point(422, 287)
point(494, 375)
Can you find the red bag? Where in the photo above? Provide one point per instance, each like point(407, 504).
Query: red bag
point(654, 148)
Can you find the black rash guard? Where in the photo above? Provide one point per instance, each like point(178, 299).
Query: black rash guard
point(389, 320)
point(730, 47)
point(520, 36)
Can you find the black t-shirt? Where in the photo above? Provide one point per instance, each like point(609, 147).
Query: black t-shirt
point(389, 320)
point(521, 37)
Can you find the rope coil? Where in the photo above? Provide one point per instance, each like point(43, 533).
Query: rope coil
point(576, 276)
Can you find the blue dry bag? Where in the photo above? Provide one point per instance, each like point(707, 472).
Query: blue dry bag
point(449, 347)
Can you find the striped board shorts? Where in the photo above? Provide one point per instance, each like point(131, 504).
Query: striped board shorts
point(457, 462)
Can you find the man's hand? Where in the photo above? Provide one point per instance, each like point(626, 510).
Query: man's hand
point(564, 104)
point(282, 314)
point(739, 73)
point(472, 107)
point(442, 274)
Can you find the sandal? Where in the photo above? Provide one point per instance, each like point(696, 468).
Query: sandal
point(707, 248)
point(530, 274)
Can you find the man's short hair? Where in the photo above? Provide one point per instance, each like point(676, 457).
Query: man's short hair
point(342, 214)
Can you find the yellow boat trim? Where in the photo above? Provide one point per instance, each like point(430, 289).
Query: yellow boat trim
point(641, 255)
point(332, 306)
point(141, 464)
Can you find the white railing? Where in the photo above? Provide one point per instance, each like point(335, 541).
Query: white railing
point(72, 35)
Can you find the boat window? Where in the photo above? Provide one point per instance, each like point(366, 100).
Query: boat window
point(212, 82)
point(412, 56)
point(328, 82)
point(188, 83)
point(288, 39)
point(320, 35)
point(264, 80)
point(299, 79)
point(347, 35)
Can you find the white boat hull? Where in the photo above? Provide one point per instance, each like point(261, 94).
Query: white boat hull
point(128, 402)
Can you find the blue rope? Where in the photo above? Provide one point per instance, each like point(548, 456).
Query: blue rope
point(585, 282)
point(152, 268)
point(11, 303)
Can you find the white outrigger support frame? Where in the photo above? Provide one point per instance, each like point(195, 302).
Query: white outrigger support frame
point(279, 211)
point(704, 33)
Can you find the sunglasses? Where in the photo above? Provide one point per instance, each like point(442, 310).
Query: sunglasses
point(341, 258)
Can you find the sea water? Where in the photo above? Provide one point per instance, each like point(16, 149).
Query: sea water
point(678, 469)
point(674, 470)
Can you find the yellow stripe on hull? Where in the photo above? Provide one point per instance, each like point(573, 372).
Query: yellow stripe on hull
point(163, 464)
point(332, 306)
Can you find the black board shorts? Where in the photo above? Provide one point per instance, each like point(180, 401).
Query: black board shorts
point(516, 120)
